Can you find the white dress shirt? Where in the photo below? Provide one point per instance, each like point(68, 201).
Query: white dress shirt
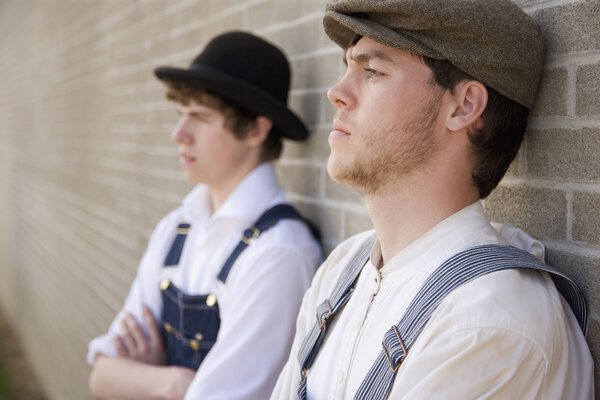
point(262, 295)
point(506, 335)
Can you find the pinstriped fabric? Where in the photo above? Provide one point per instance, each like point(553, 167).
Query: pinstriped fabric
point(456, 271)
point(327, 310)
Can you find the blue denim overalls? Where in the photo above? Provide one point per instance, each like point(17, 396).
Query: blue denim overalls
point(190, 323)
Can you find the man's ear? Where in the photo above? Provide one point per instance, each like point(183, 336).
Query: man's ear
point(470, 100)
point(258, 134)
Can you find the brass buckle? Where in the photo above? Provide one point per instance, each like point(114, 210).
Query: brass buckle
point(387, 355)
point(182, 231)
point(323, 322)
point(255, 233)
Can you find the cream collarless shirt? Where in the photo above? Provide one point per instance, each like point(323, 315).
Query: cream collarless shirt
point(507, 335)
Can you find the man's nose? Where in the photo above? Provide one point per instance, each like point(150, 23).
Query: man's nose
point(180, 134)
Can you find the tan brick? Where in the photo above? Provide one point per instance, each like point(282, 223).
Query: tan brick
point(586, 217)
point(582, 269)
point(302, 179)
point(285, 11)
point(569, 28)
point(315, 148)
point(552, 96)
point(312, 6)
point(539, 212)
point(260, 15)
point(588, 90)
point(328, 219)
point(229, 22)
point(525, 3)
point(301, 38)
point(564, 153)
point(308, 106)
point(320, 71)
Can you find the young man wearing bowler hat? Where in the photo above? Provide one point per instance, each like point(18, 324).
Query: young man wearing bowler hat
point(211, 312)
point(434, 304)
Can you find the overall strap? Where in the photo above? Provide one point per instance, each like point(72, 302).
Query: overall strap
point(456, 271)
point(327, 310)
point(267, 220)
point(174, 254)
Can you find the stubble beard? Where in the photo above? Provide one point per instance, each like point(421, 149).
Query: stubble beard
point(392, 154)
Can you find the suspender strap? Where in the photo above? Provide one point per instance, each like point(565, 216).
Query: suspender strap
point(174, 254)
point(267, 220)
point(327, 310)
point(456, 271)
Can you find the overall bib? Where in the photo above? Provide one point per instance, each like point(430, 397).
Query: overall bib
point(190, 323)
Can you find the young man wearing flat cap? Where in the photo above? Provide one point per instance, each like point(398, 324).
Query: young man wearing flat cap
point(211, 312)
point(434, 303)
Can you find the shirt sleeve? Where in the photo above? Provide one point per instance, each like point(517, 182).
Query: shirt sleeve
point(473, 364)
point(257, 325)
point(144, 290)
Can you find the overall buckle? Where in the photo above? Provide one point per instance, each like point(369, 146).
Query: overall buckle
point(250, 234)
point(388, 356)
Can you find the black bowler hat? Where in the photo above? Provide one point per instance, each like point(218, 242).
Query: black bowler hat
point(248, 71)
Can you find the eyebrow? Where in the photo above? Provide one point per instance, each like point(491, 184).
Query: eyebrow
point(200, 114)
point(195, 113)
point(366, 56)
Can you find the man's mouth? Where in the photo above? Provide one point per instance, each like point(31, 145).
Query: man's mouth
point(339, 129)
point(186, 159)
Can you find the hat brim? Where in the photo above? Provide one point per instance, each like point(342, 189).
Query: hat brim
point(285, 122)
point(343, 30)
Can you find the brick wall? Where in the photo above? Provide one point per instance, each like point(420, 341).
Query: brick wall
point(87, 169)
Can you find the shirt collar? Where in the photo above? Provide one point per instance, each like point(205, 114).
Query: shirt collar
point(196, 205)
point(248, 200)
point(252, 196)
point(463, 229)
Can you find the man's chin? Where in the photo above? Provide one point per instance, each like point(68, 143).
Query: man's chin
point(343, 177)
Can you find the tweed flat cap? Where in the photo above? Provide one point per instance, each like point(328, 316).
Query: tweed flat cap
point(494, 41)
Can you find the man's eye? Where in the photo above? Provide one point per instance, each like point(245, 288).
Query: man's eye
point(371, 73)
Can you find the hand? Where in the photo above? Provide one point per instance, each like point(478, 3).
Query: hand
point(135, 345)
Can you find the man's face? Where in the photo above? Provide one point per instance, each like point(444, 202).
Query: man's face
point(387, 109)
point(208, 152)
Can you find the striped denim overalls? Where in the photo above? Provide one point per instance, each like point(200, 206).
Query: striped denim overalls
point(190, 323)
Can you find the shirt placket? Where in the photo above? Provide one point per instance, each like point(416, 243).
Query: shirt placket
point(364, 294)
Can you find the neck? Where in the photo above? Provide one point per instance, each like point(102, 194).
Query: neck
point(223, 188)
point(405, 212)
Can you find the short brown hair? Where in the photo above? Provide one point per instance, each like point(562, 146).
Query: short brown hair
point(237, 119)
point(496, 144)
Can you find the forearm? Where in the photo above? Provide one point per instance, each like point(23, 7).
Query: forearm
point(124, 379)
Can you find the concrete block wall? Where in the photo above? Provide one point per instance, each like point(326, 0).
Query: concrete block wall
point(87, 168)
